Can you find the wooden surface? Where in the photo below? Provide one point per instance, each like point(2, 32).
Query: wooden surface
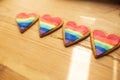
point(27, 56)
point(8, 74)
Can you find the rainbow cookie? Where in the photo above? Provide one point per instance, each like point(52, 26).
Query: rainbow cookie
point(25, 20)
point(102, 44)
point(73, 33)
point(49, 24)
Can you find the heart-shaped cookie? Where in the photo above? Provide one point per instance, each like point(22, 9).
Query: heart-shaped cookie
point(102, 44)
point(73, 33)
point(25, 20)
point(49, 24)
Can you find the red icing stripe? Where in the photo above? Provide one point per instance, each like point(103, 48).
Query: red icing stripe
point(72, 25)
point(52, 20)
point(99, 33)
point(110, 39)
point(45, 18)
point(83, 29)
point(56, 21)
point(24, 15)
point(113, 37)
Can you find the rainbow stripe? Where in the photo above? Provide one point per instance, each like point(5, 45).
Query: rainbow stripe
point(101, 47)
point(45, 27)
point(103, 43)
point(71, 35)
point(105, 40)
point(25, 22)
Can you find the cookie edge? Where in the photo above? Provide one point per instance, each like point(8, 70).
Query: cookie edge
point(84, 37)
point(36, 19)
point(93, 47)
point(51, 31)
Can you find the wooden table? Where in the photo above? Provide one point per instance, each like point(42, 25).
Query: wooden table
point(29, 57)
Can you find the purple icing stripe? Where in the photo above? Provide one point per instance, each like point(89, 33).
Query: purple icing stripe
point(42, 32)
point(67, 41)
point(22, 28)
point(98, 52)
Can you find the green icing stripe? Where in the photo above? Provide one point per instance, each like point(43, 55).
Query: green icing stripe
point(46, 25)
point(103, 45)
point(25, 20)
point(73, 32)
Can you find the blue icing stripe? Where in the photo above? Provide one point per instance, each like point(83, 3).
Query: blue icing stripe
point(44, 29)
point(70, 37)
point(24, 24)
point(100, 49)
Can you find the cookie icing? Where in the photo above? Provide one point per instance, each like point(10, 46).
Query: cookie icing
point(46, 27)
point(73, 32)
point(71, 35)
point(25, 20)
point(48, 23)
point(104, 43)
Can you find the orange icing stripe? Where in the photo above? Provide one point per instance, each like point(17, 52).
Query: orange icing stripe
point(108, 41)
point(75, 29)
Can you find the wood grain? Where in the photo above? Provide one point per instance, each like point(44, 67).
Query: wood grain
point(8, 74)
point(46, 58)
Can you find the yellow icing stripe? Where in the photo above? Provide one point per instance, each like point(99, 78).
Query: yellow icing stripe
point(52, 26)
point(27, 19)
point(110, 46)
